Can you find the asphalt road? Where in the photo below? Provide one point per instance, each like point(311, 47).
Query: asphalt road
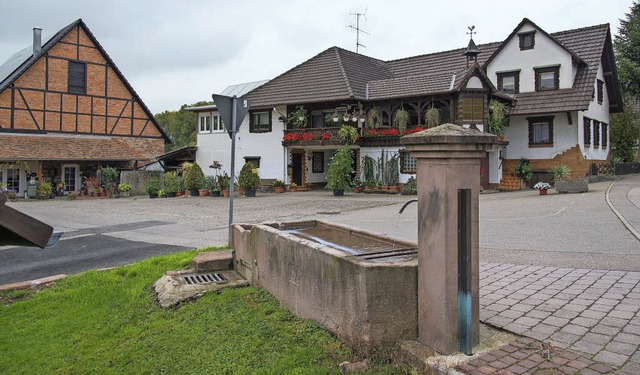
point(562, 230)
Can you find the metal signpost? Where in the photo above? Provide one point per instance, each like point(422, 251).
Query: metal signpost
point(232, 111)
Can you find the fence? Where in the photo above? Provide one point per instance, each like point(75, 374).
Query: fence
point(603, 169)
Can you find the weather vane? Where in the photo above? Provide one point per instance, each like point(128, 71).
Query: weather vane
point(471, 32)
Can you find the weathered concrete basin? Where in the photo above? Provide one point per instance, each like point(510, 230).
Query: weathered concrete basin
point(366, 295)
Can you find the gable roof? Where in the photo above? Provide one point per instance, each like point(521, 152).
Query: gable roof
point(525, 21)
point(21, 61)
point(593, 45)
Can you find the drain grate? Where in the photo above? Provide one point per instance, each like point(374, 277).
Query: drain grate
point(203, 278)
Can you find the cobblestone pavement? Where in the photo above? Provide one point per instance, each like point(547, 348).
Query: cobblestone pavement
point(590, 312)
point(527, 356)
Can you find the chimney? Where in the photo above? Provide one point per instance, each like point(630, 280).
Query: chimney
point(37, 41)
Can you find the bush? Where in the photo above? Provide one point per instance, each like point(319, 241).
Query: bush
point(152, 186)
point(124, 187)
point(45, 188)
point(108, 177)
point(247, 179)
point(171, 182)
point(523, 169)
point(340, 169)
point(194, 177)
point(211, 184)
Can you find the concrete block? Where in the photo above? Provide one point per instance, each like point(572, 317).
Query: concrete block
point(213, 261)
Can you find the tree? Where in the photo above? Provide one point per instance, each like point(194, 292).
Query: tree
point(180, 126)
point(624, 126)
point(627, 47)
point(625, 132)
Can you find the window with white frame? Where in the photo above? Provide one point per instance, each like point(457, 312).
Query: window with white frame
point(205, 123)
point(12, 179)
point(217, 125)
point(407, 162)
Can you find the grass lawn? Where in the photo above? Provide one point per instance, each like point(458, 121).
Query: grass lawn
point(109, 322)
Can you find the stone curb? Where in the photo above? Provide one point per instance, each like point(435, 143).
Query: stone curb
point(618, 214)
point(31, 284)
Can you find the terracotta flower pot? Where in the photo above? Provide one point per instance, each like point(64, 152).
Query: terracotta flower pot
point(225, 193)
point(543, 191)
point(203, 192)
point(278, 189)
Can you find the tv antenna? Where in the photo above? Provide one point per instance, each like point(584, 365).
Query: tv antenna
point(358, 29)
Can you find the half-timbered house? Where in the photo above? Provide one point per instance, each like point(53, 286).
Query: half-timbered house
point(66, 110)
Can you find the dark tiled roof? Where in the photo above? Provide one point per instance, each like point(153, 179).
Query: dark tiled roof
point(334, 74)
point(24, 59)
point(423, 84)
point(337, 74)
point(21, 147)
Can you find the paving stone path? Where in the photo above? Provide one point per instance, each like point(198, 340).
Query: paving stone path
point(591, 312)
point(528, 356)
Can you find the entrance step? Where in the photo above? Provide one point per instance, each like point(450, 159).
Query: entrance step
point(509, 183)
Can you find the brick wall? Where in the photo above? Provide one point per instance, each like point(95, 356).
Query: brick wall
point(42, 101)
point(573, 158)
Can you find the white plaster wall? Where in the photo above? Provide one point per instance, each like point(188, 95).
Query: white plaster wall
point(545, 52)
point(318, 177)
point(565, 136)
point(495, 167)
point(217, 146)
point(598, 112)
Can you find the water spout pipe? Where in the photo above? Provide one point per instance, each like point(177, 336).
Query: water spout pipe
point(406, 204)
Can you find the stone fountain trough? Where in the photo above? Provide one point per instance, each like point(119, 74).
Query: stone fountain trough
point(357, 284)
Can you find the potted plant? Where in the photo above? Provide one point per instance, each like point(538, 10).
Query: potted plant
point(542, 187)
point(171, 184)
point(357, 185)
point(152, 187)
point(563, 182)
point(339, 173)
point(373, 118)
point(432, 117)
point(299, 117)
point(497, 119)
point(278, 186)
point(293, 186)
point(248, 179)
point(162, 193)
point(212, 186)
point(523, 170)
point(401, 119)
point(194, 179)
point(180, 186)
point(44, 190)
point(124, 189)
point(224, 183)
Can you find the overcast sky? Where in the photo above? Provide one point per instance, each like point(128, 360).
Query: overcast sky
point(180, 52)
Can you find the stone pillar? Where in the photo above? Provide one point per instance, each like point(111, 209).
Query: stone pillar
point(448, 159)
